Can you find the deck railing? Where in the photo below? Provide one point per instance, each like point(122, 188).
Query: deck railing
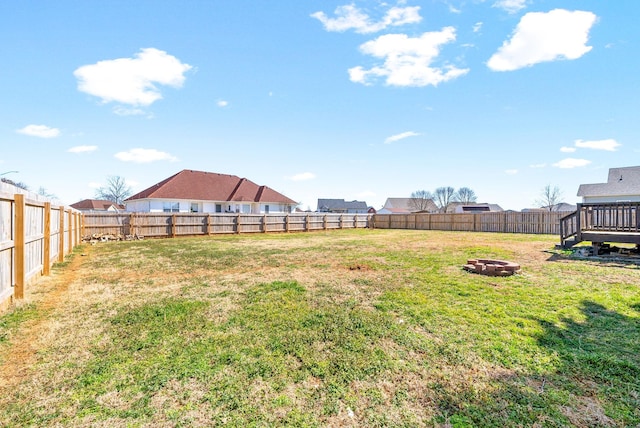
point(621, 220)
point(611, 217)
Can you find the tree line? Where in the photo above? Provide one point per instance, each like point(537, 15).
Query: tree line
point(442, 198)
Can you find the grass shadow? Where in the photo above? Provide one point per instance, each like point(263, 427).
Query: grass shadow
point(599, 365)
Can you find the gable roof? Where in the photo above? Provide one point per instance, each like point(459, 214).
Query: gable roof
point(341, 204)
point(211, 186)
point(404, 205)
point(96, 205)
point(621, 182)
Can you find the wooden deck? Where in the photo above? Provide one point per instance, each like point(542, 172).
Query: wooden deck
point(600, 223)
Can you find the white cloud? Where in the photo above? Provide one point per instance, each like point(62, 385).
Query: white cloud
point(408, 60)
point(401, 136)
point(571, 163)
point(222, 103)
point(609, 145)
point(41, 131)
point(82, 149)
point(303, 176)
point(139, 155)
point(511, 171)
point(132, 80)
point(566, 149)
point(350, 17)
point(538, 165)
point(541, 37)
point(511, 6)
point(477, 27)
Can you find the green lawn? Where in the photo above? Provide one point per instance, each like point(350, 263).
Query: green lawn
point(345, 328)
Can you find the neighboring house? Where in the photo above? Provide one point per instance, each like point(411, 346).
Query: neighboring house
point(459, 207)
point(405, 206)
point(97, 205)
point(561, 207)
point(623, 185)
point(342, 206)
point(209, 192)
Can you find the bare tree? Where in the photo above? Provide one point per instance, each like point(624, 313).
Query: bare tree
point(465, 195)
point(44, 192)
point(421, 200)
point(18, 184)
point(115, 191)
point(550, 197)
point(444, 197)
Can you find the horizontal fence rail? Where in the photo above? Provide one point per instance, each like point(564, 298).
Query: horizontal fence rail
point(33, 236)
point(503, 222)
point(162, 225)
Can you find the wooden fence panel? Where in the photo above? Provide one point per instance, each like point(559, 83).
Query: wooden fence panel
point(6, 247)
point(31, 240)
point(55, 236)
point(183, 224)
point(500, 222)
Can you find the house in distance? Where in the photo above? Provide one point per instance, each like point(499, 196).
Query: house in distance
point(209, 192)
point(342, 206)
point(97, 205)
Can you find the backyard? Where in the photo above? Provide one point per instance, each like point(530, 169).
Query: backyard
point(340, 328)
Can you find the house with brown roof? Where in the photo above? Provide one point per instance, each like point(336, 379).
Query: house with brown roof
point(97, 205)
point(209, 192)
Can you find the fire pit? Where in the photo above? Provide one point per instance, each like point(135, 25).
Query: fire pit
point(491, 267)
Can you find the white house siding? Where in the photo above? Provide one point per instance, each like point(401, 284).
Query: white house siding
point(184, 206)
point(610, 199)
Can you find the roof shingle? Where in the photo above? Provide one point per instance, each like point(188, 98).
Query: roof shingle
point(211, 186)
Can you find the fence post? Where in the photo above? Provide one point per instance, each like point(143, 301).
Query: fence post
point(70, 231)
point(264, 223)
point(340, 222)
point(578, 221)
point(286, 223)
point(46, 258)
point(173, 225)
point(208, 224)
point(355, 221)
point(324, 222)
point(306, 223)
point(61, 235)
point(19, 244)
point(238, 223)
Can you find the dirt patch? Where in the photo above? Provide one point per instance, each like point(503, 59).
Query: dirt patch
point(47, 294)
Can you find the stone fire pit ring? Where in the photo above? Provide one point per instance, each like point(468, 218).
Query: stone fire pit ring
point(491, 267)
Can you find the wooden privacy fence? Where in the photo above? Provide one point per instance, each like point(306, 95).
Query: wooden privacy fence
point(164, 225)
point(33, 236)
point(504, 222)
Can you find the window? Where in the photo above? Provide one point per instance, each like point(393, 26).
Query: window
point(171, 207)
point(218, 208)
point(266, 209)
point(194, 207)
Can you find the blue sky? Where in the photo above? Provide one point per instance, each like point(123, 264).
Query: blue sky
point(359, 100)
